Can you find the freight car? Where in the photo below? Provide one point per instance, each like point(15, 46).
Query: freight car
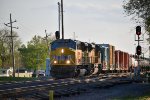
point(107, 57)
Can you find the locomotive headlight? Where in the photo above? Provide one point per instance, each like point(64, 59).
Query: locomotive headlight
point(55, 62)
point(68, 61)
point(62, 50)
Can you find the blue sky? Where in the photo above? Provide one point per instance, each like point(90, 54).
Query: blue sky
point(99, 21)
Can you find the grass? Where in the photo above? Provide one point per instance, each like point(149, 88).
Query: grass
point(14, 79)
point(145, 96)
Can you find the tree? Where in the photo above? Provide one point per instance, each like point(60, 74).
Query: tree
point(5, 47)
point(139, 8)
point(35, 54)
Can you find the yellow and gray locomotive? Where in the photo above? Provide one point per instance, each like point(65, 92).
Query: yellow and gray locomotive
point(70, 58)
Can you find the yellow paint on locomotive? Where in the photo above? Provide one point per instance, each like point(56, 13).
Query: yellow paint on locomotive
point(63, 56)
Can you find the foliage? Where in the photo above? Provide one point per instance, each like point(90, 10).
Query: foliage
point(32, 56)
point(35, 54)
point(145, 96)
point(139, 8)
point(5, 47)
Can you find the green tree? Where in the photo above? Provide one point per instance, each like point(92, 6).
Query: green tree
point(140, 9)
point(35, 54)
point(5, 47)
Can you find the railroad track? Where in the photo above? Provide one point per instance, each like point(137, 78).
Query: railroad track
point(10, 92)
point(39, 89)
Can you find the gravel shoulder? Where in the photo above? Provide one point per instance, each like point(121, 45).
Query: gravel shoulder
point(115, 92)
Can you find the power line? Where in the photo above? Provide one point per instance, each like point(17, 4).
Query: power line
point(12, 44)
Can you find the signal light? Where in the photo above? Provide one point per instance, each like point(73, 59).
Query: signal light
point(57, 35)
point(138, 30)
point(138, 50)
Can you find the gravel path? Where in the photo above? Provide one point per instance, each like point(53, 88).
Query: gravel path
point(117, 91)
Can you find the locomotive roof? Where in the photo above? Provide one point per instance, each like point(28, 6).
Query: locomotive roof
point(69, 40)
point(63, 43)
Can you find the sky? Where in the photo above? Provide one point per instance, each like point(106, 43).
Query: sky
point(99, 21)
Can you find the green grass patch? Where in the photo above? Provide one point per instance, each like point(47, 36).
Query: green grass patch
point(145, 96)
point(14, 79)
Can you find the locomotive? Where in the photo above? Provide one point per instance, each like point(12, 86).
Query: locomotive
point(70, 58)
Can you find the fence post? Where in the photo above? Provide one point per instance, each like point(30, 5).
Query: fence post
point(51, 95)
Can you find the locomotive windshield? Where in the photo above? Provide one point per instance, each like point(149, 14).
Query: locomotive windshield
point(63, 43)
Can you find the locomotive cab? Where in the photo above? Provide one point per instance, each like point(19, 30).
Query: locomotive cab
point(62, 57)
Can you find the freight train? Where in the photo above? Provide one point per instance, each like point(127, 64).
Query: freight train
point(72, 58)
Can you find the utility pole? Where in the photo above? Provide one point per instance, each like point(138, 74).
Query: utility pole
point(74, 35)
point(62, 19)
point(12, 44)
point(149, 49)
point(46, 38)
point(59, 16)
point(138, 55)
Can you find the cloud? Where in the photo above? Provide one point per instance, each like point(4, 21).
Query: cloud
point(97, 11)
point(96, 6)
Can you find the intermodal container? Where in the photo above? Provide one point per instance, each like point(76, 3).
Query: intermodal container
point(104, 48)
point(108, 56)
